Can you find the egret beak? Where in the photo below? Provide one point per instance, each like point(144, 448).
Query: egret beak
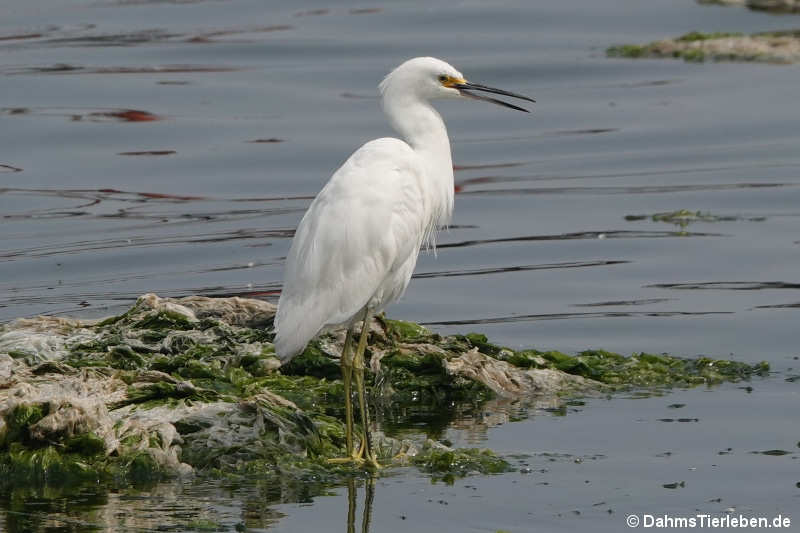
point(466, 89)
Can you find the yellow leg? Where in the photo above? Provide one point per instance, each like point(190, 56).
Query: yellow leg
point(358, 364)
point(351, 506)
point(347, 380)
point(369, 485)
point(352, 495)
point(347, 376)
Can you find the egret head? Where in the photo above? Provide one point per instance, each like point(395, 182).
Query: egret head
point(428, 78)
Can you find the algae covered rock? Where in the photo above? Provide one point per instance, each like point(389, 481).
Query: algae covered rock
point(447, 464)
point(775, 6)
point(781, 47)
point(192, 385)
point(505, 379)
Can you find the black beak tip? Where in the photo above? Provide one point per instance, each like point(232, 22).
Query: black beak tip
point(467, 88)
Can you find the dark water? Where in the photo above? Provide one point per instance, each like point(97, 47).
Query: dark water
point(172, 146)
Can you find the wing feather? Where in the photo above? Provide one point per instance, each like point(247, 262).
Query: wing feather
point(354, 244)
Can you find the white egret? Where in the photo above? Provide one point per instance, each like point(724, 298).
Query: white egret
point(356, 247)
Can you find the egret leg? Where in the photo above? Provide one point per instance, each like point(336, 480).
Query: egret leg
point(351, 506)
point(358, 364)
point(369, 485)
point(347, 379)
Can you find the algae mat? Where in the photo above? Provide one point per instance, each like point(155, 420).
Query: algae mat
point(191, 386)
point(779, 47)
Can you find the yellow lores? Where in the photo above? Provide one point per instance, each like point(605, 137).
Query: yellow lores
point(450, 81)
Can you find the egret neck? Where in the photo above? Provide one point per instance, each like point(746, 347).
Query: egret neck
point(421, 126)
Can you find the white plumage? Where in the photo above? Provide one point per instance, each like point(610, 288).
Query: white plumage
point(357, 244)
point(356, 247)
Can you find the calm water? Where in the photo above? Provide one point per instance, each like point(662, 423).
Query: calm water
point(172, 146)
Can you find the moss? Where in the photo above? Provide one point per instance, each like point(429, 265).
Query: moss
point(639, 370)
point(125, 358)
point(46, 464)
point(142, 468)
point(650, 370)
point(221, 361)
point(331, 433)
point(421, 379)
point(701, 36)
point(19, 420)
point(260, 366)
point(770, 47)
point(307, 392)
point(238, 377)
point(450, 464)
point(684, 217)
point(162, 392)
point(193, 368)
point(416, 363)
point(527, 359)
point(648, 51)
point(87, 444)
point(164, 320)
point(313, 362)
point(481, 342)
point(627, 50)
point(169, 364)
point(405, 331)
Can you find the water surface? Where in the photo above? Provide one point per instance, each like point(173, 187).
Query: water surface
point(172, 147)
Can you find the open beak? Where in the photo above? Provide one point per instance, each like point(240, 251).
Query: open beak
point(467, 89)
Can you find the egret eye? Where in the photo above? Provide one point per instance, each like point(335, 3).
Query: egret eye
point(443, 78)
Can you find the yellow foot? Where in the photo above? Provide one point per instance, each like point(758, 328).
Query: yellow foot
point(370, 463)
point(401, 457)
point(357, 457)
point(345, 460)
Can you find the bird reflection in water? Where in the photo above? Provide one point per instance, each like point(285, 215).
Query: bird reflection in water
point(352, 495)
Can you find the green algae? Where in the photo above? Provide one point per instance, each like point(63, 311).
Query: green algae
point(771, 6)
point(695, 46)
point(154, 394)
point(86, 444)
point(51, 465)
point(702, 36)
point(632, 51)
point(637, 370)
point(205, 376)
point(635, 51)
point(683, 217)
point(406, 331)
point(18, 420)
point(164, 320)
point(309, 393)
point(421, 378)
point(313, 362)
point(447, 464)
point(45, 464)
